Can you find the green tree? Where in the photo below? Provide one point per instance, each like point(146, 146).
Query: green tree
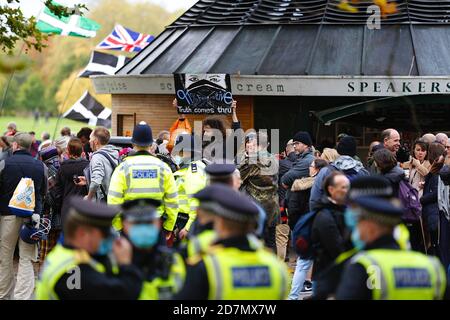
point(16, 27)
point(11, 97)
point(31, 94)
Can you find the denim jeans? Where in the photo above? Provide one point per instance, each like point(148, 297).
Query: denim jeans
point(301, 270)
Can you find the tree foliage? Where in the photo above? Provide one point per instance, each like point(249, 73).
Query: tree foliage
point(31, 94)
point(14, 26)
point(56, 64)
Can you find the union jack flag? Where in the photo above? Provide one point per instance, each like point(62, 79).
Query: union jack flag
point(125, 39)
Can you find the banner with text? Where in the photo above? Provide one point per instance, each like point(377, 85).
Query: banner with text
point(203, 93)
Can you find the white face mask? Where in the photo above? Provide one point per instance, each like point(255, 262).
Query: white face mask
point(177, 159)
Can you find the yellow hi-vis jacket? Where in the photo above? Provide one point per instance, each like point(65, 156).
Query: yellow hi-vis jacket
point(234, 274)
point(190, 180)
point(145, 176)
point(59, 262)
point(402, 274)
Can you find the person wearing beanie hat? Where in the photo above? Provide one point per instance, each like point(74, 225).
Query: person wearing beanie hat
point(245, 269)
point(303, 137)
point(143, 176)
point(345, 163)
point(396, 274)
point(303, 147)
point(347, 146)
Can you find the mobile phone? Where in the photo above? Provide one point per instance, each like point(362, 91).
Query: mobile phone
point(76, 179)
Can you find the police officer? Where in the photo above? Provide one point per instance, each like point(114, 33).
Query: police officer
point(80, 268)
point(163, 269)
point(326, 283)
point(142, 175)
point(202, 234)
point(383, 271)
point(233, 268)
point(190, 178)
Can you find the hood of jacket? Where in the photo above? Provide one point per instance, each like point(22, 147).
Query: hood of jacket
point(346, 163)
point(303, 184)
point(111, 150)
point(395, 175)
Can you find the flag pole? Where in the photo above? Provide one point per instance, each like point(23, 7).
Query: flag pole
point(62, 107)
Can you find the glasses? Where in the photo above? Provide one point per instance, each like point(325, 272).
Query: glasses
point(447, 147)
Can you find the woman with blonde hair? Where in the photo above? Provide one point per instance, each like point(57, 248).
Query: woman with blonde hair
point(329, 155)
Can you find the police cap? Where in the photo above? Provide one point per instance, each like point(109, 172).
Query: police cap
point(379, 209)
point(140, 210)
point(220, 169)
point(227, 203)
point(142, 135)
point(376, 186)
point(96, 214)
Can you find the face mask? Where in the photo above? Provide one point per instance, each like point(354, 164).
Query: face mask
point(144, 236)
point(356, 240)
point(105, 246)
point(177, 159)
point(350, 219)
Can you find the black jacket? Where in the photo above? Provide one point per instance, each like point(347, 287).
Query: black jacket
point(21, 165)
point(284, 166)
point(65, 186)
point(329, 235)
point(429, 201)
point(298, 202)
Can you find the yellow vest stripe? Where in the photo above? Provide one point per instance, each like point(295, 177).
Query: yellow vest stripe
point(171, 195)
point(218, 277)
point(437, 270)
point(378, 293)
point(145, 190)
point(114, 193)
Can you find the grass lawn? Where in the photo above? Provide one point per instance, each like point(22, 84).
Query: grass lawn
point(28, 124)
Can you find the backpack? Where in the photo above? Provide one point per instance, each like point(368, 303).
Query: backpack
point(23, 201)
point(301, 235)
point(113, 164)
point(409, 198)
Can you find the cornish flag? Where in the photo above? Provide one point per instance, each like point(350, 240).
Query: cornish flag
point(73, 25)
point(90, 111)
point(103, 63)
point(125, 39)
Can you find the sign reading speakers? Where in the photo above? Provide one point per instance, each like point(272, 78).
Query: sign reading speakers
point(203, 93)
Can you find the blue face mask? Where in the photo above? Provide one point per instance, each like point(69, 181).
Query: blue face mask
point(144, 236)
point(350, 219)
point(356, 240)
point(105, 246)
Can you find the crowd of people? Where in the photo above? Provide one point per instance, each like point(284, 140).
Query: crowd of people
point(179, 222)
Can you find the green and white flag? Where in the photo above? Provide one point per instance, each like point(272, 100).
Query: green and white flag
point(73, 25)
